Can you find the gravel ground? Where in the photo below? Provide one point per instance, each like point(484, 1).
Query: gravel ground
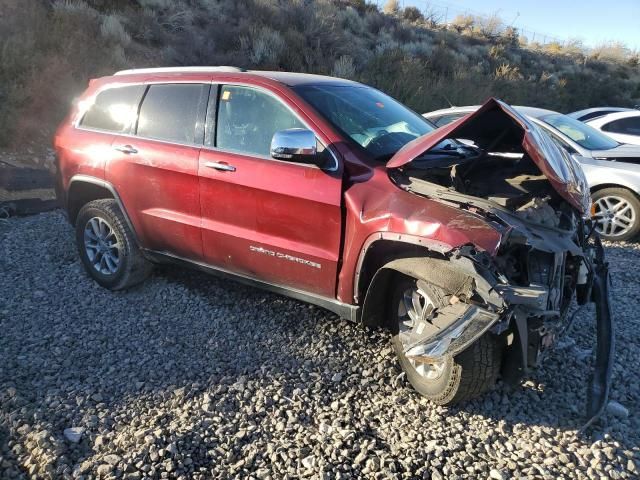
point(188, 376)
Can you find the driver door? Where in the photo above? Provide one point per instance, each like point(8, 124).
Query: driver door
point(271, 220)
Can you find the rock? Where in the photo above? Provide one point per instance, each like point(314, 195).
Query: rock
point(99, 441)
point(373, 464)
point(104, 470)
point(496, 474)
point(436, 475)
point(617, 409)
point(172, 449)
point(309, 462)
point(212, 379)
point(361, 458)
point(111, 459)
point(73, 434)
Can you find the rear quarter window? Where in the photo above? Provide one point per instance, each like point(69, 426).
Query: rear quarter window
point(114, 109)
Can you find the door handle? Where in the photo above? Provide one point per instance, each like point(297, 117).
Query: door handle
point(223, 167)
point(128, 149)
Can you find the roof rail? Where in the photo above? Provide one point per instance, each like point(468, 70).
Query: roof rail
point(180, 70)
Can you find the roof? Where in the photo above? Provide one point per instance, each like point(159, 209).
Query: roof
point(528, 111)
point(288, 78)
point(534, 112)
point(614, 116)
point(292, 79)
point(587, 111)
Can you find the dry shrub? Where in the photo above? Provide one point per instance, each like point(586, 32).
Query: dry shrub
point(266, 48)
point(508, 72)
point(391, 7)
point(49, 49)
point(344, 68)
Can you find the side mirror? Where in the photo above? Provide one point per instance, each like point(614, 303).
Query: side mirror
point(294, 145)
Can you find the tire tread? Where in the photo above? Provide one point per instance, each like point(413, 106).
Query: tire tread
point(136, 267)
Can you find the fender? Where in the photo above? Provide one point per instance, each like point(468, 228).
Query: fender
point(436, 246)
point(80, 178)
point(457, 275)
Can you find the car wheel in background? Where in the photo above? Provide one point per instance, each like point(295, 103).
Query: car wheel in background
point(107, 246)
point(617, 213)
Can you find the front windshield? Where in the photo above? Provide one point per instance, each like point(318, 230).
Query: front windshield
point(375, 121)
point(584, 135)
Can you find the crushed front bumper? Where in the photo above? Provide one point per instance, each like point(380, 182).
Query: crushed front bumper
point(462, 324)
point(600, 382)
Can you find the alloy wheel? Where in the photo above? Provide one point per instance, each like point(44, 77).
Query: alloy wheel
point(101, 246)
point(614, 216)
point(415, 307)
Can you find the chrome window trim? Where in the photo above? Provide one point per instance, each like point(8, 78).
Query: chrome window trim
point(334, 168)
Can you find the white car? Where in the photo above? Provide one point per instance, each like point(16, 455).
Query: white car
point(612, 168)
point(623, 127)
point(590, 113)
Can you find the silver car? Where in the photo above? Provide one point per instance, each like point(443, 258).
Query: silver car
point(612, 168)
point(589, 113)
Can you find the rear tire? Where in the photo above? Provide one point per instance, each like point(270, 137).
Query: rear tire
point(107, 247)
point(454, 379)
point(617, 213)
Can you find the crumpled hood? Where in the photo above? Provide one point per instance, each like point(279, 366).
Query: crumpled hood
point(486, 125)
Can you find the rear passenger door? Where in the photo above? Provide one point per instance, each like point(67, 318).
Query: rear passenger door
point(273, 220)
point(156, 169)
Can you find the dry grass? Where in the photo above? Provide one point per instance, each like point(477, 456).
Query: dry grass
point(49, 50)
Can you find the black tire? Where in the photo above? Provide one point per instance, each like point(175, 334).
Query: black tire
point(634, 204)
point(465, 376)
point(132, 268)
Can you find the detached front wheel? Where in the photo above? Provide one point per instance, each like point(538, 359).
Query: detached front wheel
point(451, 379)
point(107, 246)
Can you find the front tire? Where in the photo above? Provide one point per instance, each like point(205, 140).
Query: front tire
point(452, 379)
point(107, 247)
point(617, 214)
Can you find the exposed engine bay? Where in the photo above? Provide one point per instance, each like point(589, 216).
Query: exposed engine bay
point(498, 166)
point(509, 180)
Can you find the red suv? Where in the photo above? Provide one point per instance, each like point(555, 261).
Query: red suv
point(468, 242)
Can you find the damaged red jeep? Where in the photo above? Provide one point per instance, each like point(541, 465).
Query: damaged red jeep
point(331, 192)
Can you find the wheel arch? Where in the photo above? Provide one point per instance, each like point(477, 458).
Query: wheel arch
point(381, 258)
point(602, 186)
point(84, 189)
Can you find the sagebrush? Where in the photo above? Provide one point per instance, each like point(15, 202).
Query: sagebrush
point(50, 49)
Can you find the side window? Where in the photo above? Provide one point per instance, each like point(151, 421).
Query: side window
point(626, 126)
point(114, 109)
point(248, 118)
point(174, 112)
point(591, 115)
point(446, 119)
